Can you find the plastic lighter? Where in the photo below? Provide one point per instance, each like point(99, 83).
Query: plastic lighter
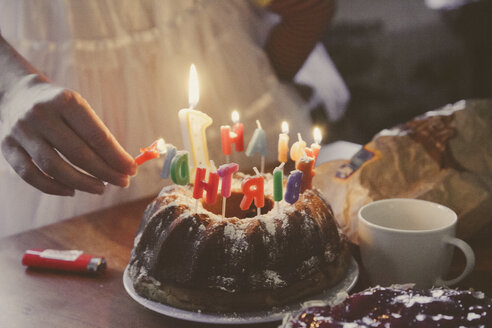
point(67, 260)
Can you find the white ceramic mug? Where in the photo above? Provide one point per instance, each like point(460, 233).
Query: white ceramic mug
point(410, 241)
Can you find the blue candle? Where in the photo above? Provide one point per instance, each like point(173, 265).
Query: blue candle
point(166, 168)
point(258, 144)
point(293, 187)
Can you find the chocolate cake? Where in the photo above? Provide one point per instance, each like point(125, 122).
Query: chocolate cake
point(189, 256)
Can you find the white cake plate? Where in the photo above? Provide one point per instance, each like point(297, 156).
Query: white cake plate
point(276, 314)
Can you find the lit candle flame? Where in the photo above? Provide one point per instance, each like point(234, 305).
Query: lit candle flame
point(193, 90)
point(161, 146)
point(285, 127)
point(235, 117)
point(317, 135)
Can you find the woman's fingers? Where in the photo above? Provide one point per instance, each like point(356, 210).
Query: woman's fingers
point(80, 154)
point(80, 117)
point(49, 161)
point(46, 137)
point(21, 162)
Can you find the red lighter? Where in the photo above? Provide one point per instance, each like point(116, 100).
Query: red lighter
point(69, 260)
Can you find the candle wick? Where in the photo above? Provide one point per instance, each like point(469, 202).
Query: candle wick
point(214, 168)
point(299, 136)
point(256, 170)
point(224, 200)
point(258, 123)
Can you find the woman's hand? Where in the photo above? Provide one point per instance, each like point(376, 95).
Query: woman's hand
point(49, 132)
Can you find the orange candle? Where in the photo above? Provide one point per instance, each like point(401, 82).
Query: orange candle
point(153, 151)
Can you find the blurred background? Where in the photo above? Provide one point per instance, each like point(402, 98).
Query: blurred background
point(403, 58)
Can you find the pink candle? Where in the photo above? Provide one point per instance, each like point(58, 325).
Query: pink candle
point(226, 171)
point(211, 187)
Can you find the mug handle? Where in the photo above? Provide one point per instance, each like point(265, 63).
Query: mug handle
point(470, 261)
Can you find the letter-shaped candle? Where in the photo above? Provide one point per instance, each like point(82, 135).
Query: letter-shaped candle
point(153, 151)
point(306, 165)
point(211, 187)
point(315, 147)
point(258, 144)
point(166, 168)
point(253, 189)
point(278, 183)
point(236, 137)
point(283, 143)
point(226, 171)
point(193, 125)
point(180, 171)
point(238, 129)
point(296, 151)
point(293, 187)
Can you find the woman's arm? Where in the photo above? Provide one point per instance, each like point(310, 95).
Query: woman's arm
point(302, 25)
point(43, 126)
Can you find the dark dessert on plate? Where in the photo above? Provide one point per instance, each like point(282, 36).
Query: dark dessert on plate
point(400, 306)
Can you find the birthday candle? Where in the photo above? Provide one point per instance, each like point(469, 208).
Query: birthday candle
point(283, 143)
point(278, 183)
point(293, 186)
point(315, 147)
point(238, 129)
point(296, 151)
point(171, 152)
point(236, 137)
point(180, 171)
point(253, 189)
point(225, 132)
point(306, 165)
point(193, 126)
point(258, 144)
point(153, 151)
point(211, 187)
point(225, 172)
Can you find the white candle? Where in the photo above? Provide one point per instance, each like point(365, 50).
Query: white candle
point(193, 126)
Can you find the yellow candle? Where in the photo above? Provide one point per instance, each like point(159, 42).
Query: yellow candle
point(283, 143)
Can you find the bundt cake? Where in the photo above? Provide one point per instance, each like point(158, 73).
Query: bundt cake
point(400, 306)
point(188, 255)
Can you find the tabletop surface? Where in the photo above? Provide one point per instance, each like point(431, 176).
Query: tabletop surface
point(36, 298)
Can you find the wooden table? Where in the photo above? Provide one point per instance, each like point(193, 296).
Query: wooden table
point(33, 298)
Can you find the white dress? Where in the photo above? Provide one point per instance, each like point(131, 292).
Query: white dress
point(130, 59)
